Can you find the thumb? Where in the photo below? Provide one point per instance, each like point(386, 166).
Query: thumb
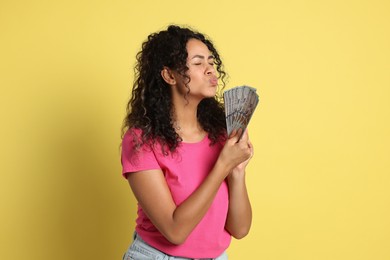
point(244, 136)
point(235, 135)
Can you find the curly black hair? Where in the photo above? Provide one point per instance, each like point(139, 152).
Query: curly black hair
point(150, 106)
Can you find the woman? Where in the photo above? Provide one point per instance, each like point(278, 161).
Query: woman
point(186, 174)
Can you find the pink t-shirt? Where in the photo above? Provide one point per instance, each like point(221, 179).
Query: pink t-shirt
point(184, 171)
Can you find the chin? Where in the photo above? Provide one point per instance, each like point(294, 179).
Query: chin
point(212, 92)
point(210, 96)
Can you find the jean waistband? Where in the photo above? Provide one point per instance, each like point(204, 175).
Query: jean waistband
point(137, 237)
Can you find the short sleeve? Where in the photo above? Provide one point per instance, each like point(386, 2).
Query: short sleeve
point(136, 159)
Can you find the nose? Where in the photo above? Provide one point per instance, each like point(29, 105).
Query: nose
point(210, 70)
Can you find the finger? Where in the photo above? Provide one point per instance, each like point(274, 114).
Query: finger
point(250, 144)
point(244, 136)
point(251, 148)
point(240, 133)
point(233, 133)
point(235, 136)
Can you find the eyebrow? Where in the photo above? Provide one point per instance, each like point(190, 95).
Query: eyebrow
point(202, 57)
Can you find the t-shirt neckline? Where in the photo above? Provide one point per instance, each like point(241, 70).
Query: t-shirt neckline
point(198, 142)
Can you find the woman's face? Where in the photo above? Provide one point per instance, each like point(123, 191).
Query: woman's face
point(200, 63)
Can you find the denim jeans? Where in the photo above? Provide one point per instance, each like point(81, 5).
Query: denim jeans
point(140, 250)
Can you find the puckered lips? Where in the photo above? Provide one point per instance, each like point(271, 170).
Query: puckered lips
point(214, 81)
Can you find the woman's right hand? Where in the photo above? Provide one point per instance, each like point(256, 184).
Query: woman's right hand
point(235, 151)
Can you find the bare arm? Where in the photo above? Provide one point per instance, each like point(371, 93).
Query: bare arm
point(239, 217)
point(177, 222)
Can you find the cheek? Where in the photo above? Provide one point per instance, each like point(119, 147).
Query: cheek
point(182, 89)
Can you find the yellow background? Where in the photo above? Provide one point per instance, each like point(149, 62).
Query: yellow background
point(319, 181)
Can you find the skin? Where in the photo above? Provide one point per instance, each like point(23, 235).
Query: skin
point(177, 222)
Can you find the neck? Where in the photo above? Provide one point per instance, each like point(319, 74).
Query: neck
point(185, 110)
point(186, 117)
point(186, 122)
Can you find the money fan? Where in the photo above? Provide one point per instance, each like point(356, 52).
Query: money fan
point(240, 104)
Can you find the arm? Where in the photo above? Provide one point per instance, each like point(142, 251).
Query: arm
point(177, 222)
point(239, 217)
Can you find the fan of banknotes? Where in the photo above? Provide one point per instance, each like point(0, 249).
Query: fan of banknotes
point(240, 104)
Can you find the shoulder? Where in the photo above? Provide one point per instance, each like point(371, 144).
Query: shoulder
point(132, 141)
point(135, 140)
point(136, 154)
point(132, 133)
point(133, 136)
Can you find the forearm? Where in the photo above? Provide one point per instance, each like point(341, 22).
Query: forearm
point(239, 217)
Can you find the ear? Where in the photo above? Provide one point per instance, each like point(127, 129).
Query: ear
point(168, 76)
